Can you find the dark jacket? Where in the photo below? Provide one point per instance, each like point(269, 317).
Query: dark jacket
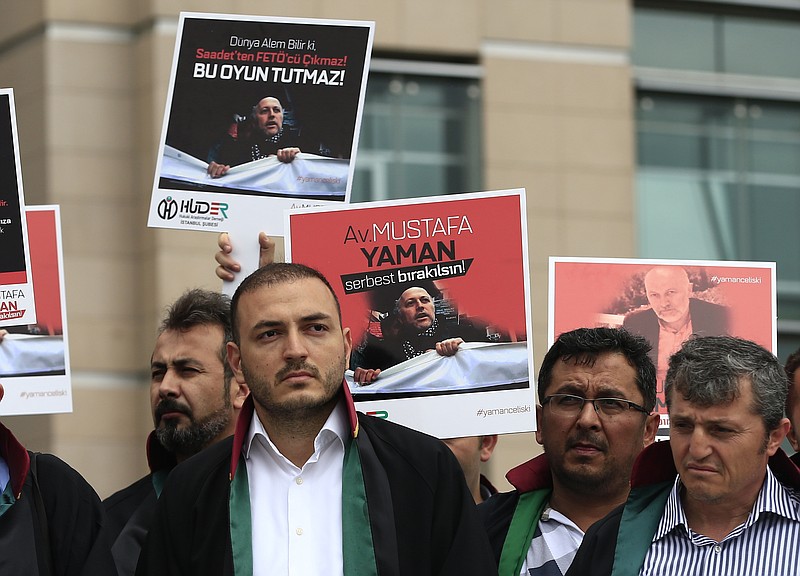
point(130, 511)
point(420, 510)
point(708, 319)
point(50, 518)
point(533, 479)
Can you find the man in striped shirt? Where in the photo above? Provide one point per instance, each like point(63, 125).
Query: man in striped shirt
point(733, 507)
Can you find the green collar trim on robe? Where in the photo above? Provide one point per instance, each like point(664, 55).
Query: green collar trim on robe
point(7, 498)
point(520, 532)
point(241, 525)
point(639, 522)
point(358, 550)
point(159, 477)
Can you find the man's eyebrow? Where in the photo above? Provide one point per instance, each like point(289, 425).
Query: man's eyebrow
point(315, 317)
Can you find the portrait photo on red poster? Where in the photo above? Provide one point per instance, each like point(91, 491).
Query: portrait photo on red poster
point(665, 301)
point(411, 274)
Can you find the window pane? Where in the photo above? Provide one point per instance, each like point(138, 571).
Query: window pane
point(762, 47)
point(420, 136)
point(676, 40)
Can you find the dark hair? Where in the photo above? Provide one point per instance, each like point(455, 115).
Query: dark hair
point(584, 345)
point(708, 371)
point(792, 363)
point(270, 275)
point(199, 307)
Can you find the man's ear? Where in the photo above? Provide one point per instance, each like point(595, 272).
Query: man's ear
point(235, 362)
point(539, 424)
point(488, 444)
point(239, 392)
point(651, 429)
point(776, 436)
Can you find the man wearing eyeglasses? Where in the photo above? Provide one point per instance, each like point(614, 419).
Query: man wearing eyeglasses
point(597, 392)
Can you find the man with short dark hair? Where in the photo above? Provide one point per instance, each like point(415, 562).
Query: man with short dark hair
point(720, 497)
point(194, 402)
point(597, 391)
point(307, 485)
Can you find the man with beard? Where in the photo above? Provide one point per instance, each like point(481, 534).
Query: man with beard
point(306, 484)
point(597, 392)
point(194, 400)
point(417, 329)
point(261, 135)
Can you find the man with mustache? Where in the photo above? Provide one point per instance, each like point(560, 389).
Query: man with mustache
point(417, 329)
point(307, 485)
point(673, 315)
point(720, 497)
point(194, 401)
point(262, 135)
point(597, 392)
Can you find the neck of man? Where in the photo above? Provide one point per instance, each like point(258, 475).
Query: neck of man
point(293, 431)
point(586, 506)
point(718, 518)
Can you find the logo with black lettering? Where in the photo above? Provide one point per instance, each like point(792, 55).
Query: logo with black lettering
point(167, 208)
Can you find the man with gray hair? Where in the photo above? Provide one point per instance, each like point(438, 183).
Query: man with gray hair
point(726, 502)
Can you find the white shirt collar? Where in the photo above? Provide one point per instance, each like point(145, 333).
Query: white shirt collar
point(335, 427)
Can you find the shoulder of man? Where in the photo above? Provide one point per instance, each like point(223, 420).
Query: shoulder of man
point(495, 514)
point(595, 556)
point(123, 503)
point(74, 516)
point(195, 472)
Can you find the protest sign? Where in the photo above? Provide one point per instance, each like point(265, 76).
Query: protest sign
point(16, 290)
point(263, 114)
point(34, 358)
point(386, 261)
point(666, 301)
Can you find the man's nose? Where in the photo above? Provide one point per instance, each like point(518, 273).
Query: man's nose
point(170, 385)
point(588, 416)
point(295, 346)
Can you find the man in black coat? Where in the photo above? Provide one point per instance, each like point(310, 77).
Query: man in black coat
point(305, 482)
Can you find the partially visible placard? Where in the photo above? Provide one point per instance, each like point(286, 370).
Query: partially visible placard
point(16, 289)
point(466, 252)
point(243, 90)
point(666, 301)
point(34, 358)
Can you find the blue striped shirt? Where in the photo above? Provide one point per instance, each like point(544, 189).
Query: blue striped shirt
point(767, 543)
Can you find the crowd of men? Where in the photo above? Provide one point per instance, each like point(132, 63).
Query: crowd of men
point(260, 463)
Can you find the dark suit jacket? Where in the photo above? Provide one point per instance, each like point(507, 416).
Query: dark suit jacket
point(708, 319)
point(423, 517)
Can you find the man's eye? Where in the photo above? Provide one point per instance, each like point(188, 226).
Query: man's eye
point(319, 328)
point(612, 404)
point(568, 401)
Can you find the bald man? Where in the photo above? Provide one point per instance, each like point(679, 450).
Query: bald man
point(673, 315)
point(260, 136)
point(415, 329)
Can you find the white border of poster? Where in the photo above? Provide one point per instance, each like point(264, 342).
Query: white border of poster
point(223, 65)
point(470, 252)
point(48, 389)
point(726, 297)
point(17, 305)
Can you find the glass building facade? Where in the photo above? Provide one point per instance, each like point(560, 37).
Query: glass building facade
point(718, 139)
